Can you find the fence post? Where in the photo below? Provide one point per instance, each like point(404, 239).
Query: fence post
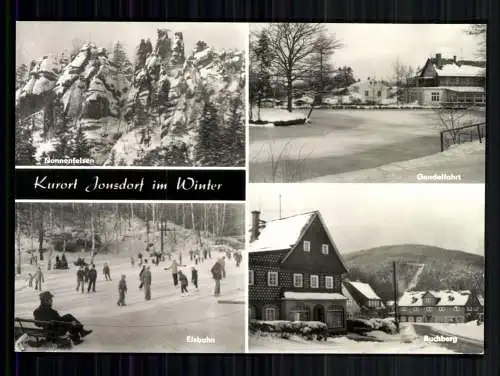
point(479, 133)
point(442, 140)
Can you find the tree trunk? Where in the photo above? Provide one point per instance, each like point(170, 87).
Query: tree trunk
point(116, 229)
point(40, 240)
point(223, 220)
point(92, 230)
point(184, 215)
point(192, 217)
point(32, 235)
point(289, 93)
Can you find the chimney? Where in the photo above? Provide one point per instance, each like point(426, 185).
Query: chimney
point(255, 225)
point(455, 59)
point(438, 61)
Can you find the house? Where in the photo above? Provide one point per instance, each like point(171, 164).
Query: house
point(449, 81)
point(371, 91)
point(295, 271)
point(439, 306)
point(369, 303)
point(352, 307)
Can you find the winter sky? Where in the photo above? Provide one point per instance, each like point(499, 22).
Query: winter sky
point(371, 49)
point(37, 39)
point(362, 216)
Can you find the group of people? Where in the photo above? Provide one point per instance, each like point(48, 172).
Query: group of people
point(86, 275)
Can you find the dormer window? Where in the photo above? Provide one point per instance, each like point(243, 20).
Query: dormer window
point(324, 249)
point(307, 246)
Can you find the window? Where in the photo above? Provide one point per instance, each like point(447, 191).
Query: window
point(270, 314)
point(251, 312)
point(403, 309)
point(428, 309)
point(335, 317)
point(379, 93)
point(415, 309)
point(272, 278)
point(329, 282)
point(435, 96)
point(456, 309)
point(469, 309)
point(429, 300)
point(250, 277)
point(441, 309)
point(324, 249)
point(373, 303)
point(314, 281)
point(366, 93)
point(298, 280)
point(307, 246)
point(300, 313)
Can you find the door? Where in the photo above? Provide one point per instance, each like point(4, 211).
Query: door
point(319, 313)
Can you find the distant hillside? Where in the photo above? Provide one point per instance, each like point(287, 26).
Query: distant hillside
point(444, 268)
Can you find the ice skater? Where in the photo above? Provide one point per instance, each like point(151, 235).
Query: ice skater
point(92, 279)
point(217, 276)
point(80, 279)
point(194, 277)
point(147, 283)
point(222, 262)
point(184, 282)
point(39, 279)
point(174, 268)
point(106, 272)
point(122, 290)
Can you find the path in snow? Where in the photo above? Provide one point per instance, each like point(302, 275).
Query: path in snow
point(159, 325)
point(416, 277)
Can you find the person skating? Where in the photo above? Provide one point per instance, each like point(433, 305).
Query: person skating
point(132, 261)
point(205, 253)
point(217, 276)
point(64, 262)
point(184, 282)
point(107, 272)
point(194, 277)
point(46, 313)
point(139, 256)
point(86, 273)
point(92, 279)
point(222, 262)
point(141, 276)
point(174, 268)
point(80, 279)
point(237, 258)
point(122, 290)
point(30, 279)
point(39, 279)
point(147, 283)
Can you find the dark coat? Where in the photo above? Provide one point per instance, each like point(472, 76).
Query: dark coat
point(46, 313)
point(183, 279)
point(217, 271)
point(194, 275)
point(93, 274)
point(80, 275)
point(146, 278)
point(105, 270)
point(122, 286)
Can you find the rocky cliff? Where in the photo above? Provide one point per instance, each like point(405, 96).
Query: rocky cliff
point(151, 118)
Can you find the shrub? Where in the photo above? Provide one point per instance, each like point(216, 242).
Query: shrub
point(285, 329)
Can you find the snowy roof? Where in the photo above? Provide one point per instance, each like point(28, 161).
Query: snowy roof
point(281, 234)
point(313, 295)
point(445, 298)
point(455, 70)
point(464, 89)
point(365, 289)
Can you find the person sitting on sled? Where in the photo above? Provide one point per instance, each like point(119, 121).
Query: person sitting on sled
point(46, 313)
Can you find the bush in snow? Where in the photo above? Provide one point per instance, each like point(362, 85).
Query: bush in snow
point(307, 329)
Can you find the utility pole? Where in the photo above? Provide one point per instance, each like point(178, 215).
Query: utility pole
point(279, 201)
point(395, 282)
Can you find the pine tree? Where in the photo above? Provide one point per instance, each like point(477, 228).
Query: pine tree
point(149, 47)
point(236, 134)
point(62, 133)
point(141, 54)
point(200, 46)
point(120, 59)
point(25, 151)
point(208, 146)
point(263, 57)
point(81, 149)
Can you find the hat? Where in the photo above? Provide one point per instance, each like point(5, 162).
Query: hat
point(46, 295)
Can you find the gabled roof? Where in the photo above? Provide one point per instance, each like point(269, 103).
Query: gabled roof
point(286, 233)
point(364, 289)
point(454, 69)
point(281, 234)
point(445, 298)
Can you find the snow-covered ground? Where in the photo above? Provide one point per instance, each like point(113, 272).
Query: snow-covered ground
point(468, 330)
point(466, 160)
point(405, 343)
point(271, 115)
point(159, 325)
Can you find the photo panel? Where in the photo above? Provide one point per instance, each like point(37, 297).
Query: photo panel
point(351, 103)
point(366, 268)
point(130, 94)
point(130, 277)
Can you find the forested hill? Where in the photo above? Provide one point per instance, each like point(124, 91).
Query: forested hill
point(443, 268)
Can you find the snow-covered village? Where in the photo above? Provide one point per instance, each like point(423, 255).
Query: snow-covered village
point(129, 277)
point(147, 94)
point(367, 102)
point(356, 268)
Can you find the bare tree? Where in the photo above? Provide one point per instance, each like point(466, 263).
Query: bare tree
point(479, 31)
point(451, 122)
point(292, 44)
point(400, 73)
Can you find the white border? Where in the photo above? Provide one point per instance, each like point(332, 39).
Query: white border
point(130, 201)
point(82, 167)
